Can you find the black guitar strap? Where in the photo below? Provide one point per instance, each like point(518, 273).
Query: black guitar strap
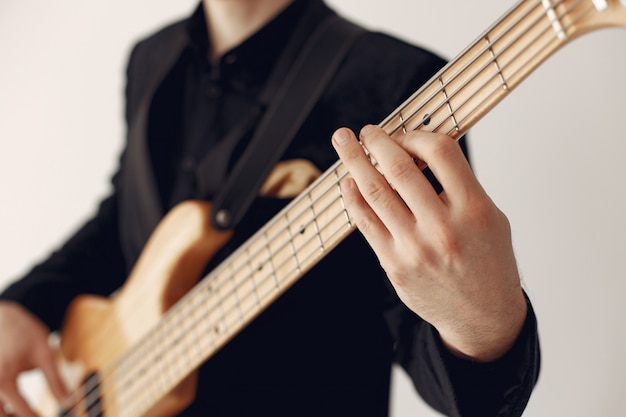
point(295, 85)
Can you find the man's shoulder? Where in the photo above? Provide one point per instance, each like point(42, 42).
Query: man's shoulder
point(394, 51)
point(383, 70)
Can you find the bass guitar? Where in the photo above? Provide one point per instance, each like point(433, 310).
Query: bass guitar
point(137, 352)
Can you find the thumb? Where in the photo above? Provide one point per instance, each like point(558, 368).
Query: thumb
point(48, 366)
point(15, 403)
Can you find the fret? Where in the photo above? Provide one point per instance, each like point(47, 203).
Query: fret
point(175, 356)
point(271, 261)
point(273, 283)
point(161, 364)
point(344, 210)
point(305, 237)
point(235, 289)
point(310, 226)
point(466, 82)
point(244, 285)
point(261, 266)
point(253, 282)
point(494, 59)
point(333, 209)
point(188, 337)
point(150, 370)
point(528, 46)
point(195, 318)
point(280, 248)
point(315, 223)
point(402, 122)
point(448, 104)
point(208, 313)
point(554, 20)
point(231, 320)
point(294, 252)
point(154, 370)
point(220, 328)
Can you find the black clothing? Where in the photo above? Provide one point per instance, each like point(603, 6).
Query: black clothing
point(326, 347)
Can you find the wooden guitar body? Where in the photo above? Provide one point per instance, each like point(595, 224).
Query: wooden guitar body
point(97, 331)
point(136, 353)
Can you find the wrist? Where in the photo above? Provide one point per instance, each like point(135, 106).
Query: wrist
point(487, 337)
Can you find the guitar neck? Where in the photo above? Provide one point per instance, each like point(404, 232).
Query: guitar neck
point(309, 227)
point(494, 64)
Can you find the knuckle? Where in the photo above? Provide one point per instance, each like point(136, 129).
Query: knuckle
point(364, 224)
point(484, 216)
point(402, 169)
point(447, 246)
point(352, 152)
point(374, 191)
point(443, 146)
point(448, 241)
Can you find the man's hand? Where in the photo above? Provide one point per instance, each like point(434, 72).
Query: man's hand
point(449, 256)
point(24, 346)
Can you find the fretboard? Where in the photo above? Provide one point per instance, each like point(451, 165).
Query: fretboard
point(309, 227)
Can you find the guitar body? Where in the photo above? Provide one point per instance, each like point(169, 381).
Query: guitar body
point(137, 353)
point(98, 330)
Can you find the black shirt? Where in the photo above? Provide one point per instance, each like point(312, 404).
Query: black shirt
point(326, 346)
point(201, 101)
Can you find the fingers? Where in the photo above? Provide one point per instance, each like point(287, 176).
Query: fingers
point(379, 209)
point(374, 231)
point(14, 403)
point(398, 166)
point(47, 364)
point(446, 160)
point(25, 346)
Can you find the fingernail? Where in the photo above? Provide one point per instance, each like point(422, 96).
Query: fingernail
point(367, 129)
point(341, 136)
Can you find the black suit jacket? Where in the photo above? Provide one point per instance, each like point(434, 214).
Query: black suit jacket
point(326, 347)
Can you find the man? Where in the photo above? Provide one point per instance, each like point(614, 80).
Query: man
point(468, 337)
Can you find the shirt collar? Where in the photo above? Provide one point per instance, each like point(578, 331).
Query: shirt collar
point(248, 64)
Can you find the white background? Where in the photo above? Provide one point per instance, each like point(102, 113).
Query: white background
point(551, 156)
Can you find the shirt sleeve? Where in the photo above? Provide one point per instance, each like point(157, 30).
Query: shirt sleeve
point(459, 387)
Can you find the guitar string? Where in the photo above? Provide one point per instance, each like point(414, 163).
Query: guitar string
point(102, 382)
point(469, 64)
point(433, 111)
point(497, 74)
point(255, 291)
point(234, 307)
point(163, 330)
point(439, 75)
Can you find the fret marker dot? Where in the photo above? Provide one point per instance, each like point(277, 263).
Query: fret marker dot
point(302, 229)
point(426, 119)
